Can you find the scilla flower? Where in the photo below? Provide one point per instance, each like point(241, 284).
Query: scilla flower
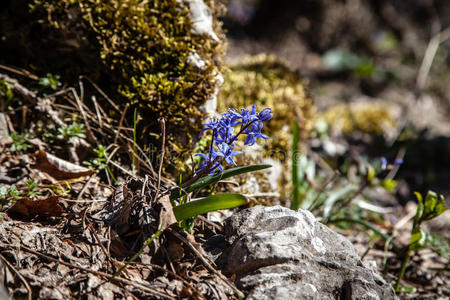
point(222, 145)
point(265, 115)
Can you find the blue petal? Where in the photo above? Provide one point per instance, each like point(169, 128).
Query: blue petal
point(250, 139)
point(398, 162)
point(202, 155)
point(234, 153)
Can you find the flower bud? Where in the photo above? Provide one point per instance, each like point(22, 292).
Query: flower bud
point(265, 115)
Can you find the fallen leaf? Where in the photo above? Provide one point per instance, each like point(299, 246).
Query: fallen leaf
point(58, 168)
point(166, 216)
point(32, 209)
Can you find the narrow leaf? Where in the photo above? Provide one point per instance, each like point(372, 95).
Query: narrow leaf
point(207, 180)
point(419, 209)
point(430, 202)
point(370, 173)
point(333, 197)
point(406, 289)
point(389, 185)
point(211, 203)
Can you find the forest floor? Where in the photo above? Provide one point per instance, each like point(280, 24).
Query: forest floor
point(66, 230)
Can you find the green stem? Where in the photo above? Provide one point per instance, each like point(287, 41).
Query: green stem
point(133, 168)
point(111, 174)
point(212, 164)
point(403, 269)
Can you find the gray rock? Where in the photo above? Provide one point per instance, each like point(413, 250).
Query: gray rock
point(3, 126)
point(3, 293)
point(278, 253)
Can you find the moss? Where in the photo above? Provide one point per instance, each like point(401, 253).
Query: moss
point(269, 82)
point(136, 50)
point(370, 118)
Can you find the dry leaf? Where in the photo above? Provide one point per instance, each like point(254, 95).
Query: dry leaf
point(58, 168)
point(166, 216)
point(32, 209)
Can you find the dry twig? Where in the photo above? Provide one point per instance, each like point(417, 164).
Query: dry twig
point(141, 285)
point(25, 282)
point(206, 263)
point(163, 145)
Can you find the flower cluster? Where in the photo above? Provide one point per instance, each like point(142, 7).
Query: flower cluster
point(250, 123)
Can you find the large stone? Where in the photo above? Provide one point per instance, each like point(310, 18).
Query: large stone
point(278, 253)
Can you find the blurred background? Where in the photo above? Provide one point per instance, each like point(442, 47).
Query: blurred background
point(378, 72)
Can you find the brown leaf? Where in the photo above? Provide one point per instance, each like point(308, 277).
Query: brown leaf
point(166, 216)
point(32, 209)
point(58, 168)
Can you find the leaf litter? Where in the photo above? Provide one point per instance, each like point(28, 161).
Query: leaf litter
point(70, 236)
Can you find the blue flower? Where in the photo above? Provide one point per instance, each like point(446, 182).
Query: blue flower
point(385, 163)
point(232, 116)
point(250, 140)
point(245, 115)
point(223, 137)
point(226, 129)
point(253, 133)
point(398, 162)
point(265, 115)
point(212, 125)
point(228, 153)
point(208, 158)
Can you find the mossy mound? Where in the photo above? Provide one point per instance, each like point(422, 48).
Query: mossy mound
point(268, 82)
point(140, 52)
point(371, 118)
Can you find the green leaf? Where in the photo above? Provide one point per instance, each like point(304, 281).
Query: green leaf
point(429, 205)
point(310, 168)
point(418, 240)
point(406, 289)
point(187, 224)
point(433, 206)
point(339, 60)
point(14, 192)
point(419, 209)
point(370, 173)
point(207, 180)
point(207, 204)
point(389, 184)
point(440, 245)
point(3, 193)
point(333, 197)
point(440, 207)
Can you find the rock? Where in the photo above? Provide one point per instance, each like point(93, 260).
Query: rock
point(278, 253)
point(3, 126)
point(3, 293)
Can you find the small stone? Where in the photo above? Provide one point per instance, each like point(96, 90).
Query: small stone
point(3, 126)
